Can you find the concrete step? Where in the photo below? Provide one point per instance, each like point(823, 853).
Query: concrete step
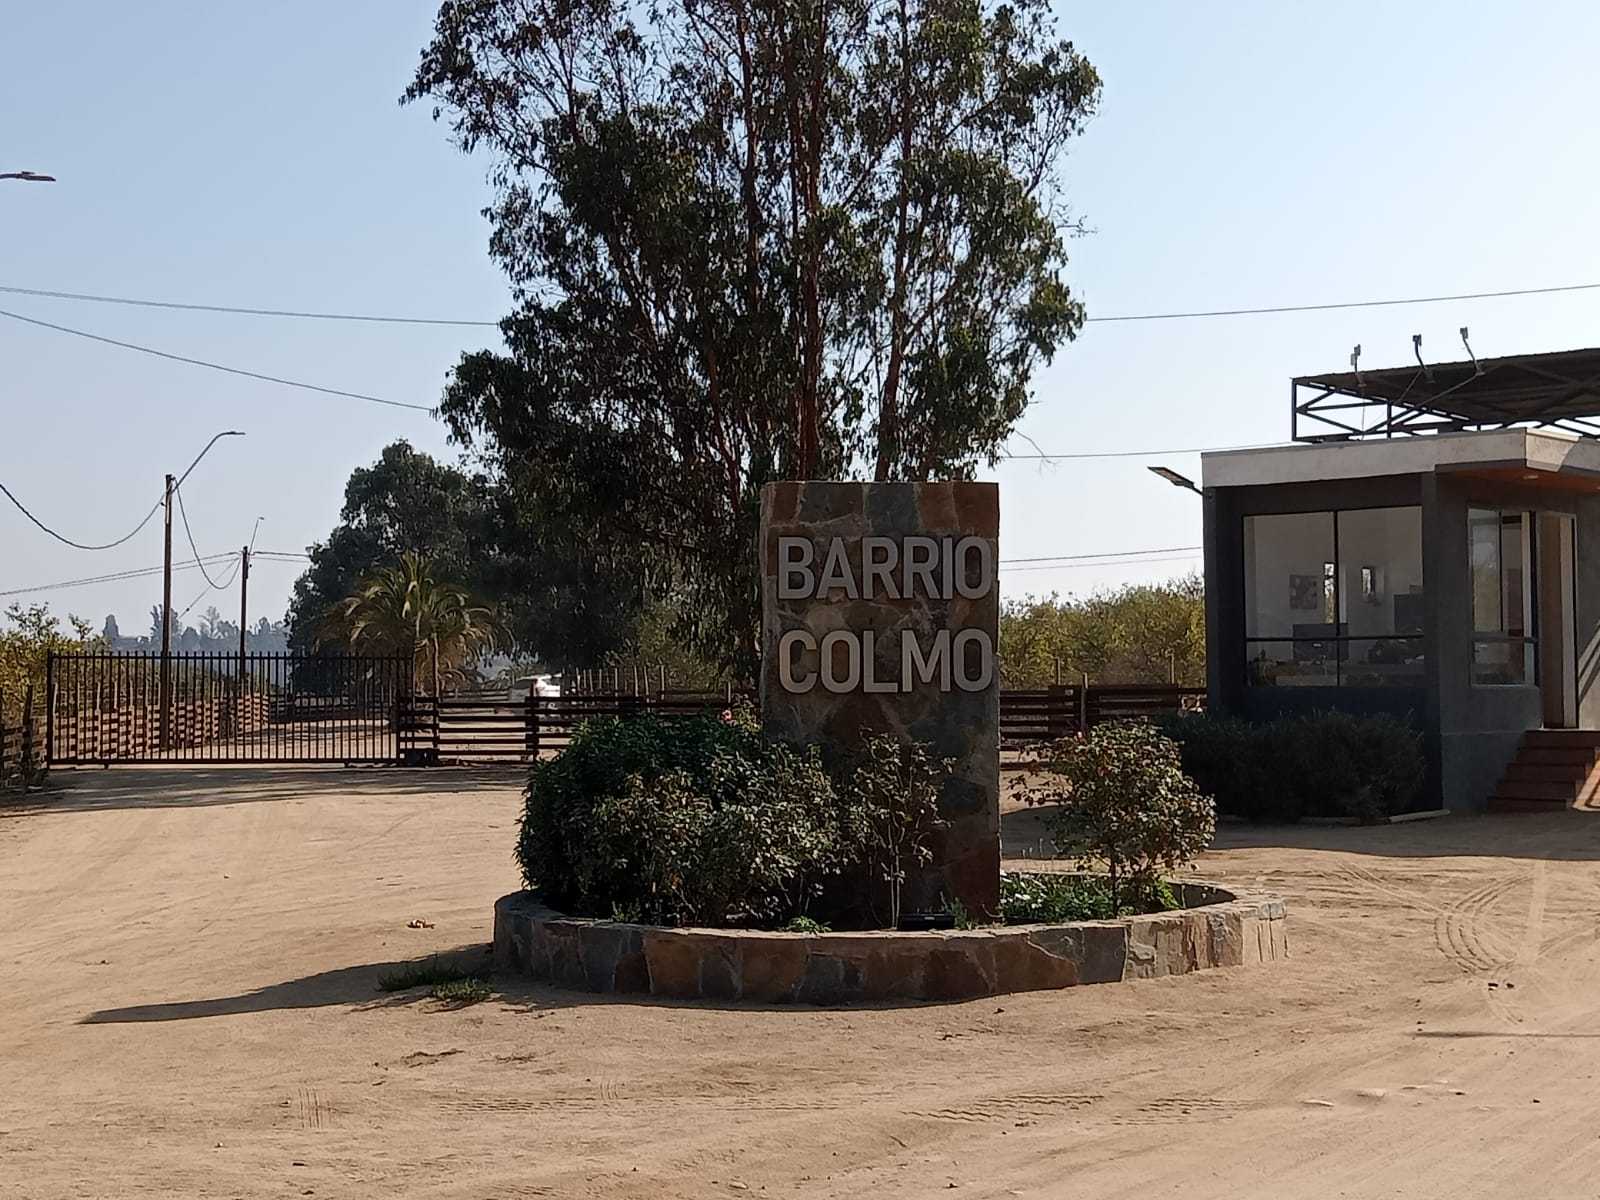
point(1560, 772)
point(1551, 738)
point(1558, 754)
point(1536, 789)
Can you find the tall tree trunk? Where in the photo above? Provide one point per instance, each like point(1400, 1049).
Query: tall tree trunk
point(889, 435)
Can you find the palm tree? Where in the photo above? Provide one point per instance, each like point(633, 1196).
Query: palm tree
point(403, 609)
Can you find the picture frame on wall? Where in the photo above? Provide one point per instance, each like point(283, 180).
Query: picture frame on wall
point(1305, 593)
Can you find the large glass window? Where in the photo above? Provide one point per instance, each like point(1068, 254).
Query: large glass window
point(1334, 599)
point(1503, 643)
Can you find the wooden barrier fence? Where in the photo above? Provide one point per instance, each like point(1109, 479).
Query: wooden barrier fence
point(22, 745)
point(478, 728)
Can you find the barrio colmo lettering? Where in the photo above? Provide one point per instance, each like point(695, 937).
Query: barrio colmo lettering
point(909, 568)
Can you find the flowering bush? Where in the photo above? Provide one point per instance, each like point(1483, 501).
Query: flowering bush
point(1122, 801)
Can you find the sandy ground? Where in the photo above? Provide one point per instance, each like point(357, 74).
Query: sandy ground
point(188, 1008)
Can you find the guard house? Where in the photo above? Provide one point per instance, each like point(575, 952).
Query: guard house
point(1428, 546)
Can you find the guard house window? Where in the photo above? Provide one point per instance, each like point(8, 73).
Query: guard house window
point(1334, 599)
point(1503, 641)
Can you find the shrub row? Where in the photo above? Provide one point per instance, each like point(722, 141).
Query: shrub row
point(702, 821)
point(1326, 764)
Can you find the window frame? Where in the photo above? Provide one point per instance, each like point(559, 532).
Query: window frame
point(1336, 640)
point(1529, 638)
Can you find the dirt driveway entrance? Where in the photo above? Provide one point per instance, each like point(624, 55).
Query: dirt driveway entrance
point(189, 1008)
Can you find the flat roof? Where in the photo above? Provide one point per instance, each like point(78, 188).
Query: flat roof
point(1540, 455)
point(1562, 386)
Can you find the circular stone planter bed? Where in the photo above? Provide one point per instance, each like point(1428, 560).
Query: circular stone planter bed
point(1216, 927)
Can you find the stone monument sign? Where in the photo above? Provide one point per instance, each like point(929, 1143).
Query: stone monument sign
point(880, 613)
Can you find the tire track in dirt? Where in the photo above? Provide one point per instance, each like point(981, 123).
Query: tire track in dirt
point(1463, 934)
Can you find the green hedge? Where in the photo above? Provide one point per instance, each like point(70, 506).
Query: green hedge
point(1325, 764)
point(681, 821)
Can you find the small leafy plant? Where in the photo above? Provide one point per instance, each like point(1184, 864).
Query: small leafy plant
point(893, 794)
point(461, 992)
point(430, 972)
point(806, 925)
point(1122, 801)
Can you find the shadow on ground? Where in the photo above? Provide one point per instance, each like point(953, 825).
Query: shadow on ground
point(91, 789)
point(1568, 835)
point(358, 985)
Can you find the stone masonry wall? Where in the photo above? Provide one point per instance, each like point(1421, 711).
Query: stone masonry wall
point(1232, 929)
point(959, 724)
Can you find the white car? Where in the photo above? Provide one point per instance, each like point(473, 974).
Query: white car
point(535, 685)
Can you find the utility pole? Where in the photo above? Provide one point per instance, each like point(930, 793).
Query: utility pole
point(244, 598)
point(166, 623)
point(166, 590)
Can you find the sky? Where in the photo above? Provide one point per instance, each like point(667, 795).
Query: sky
point(1244, 155)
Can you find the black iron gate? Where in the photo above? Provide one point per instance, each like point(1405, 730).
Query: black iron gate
point(225, 708)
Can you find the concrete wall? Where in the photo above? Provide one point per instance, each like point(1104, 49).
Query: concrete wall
point(1479, 728)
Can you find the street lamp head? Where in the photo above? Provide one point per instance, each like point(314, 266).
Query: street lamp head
point(1175, 479)
point(202, 454)
point(28, 176)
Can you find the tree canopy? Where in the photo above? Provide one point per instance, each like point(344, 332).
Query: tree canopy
point(552, 602)
point(1142, 633)
point(409, 609)
point(753, 240)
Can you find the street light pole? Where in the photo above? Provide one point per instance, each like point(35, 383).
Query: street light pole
point(165, 737)
point(244, 599)
point(166, 622)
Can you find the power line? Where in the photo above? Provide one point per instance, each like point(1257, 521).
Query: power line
point(1294, 308)
point(68, 541)
point(182, 512)
point(388, 319)
point(114, 577)
point(214, 366)
point(1121, 562)
point(1136, 453)
point(1107, 554)
point(210, 587)
point(249, 312)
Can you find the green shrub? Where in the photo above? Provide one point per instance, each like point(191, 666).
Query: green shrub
point(1325, 764)
point(1052, 899)
point(1123, 801)
point(890, 797)
point(682, 821)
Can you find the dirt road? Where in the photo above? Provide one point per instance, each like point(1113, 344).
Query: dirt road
point(188, 1007)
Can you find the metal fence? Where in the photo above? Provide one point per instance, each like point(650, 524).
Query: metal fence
point(224, 708)
point(281, 708)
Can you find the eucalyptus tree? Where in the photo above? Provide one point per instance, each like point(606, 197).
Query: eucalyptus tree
point(750, 240)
